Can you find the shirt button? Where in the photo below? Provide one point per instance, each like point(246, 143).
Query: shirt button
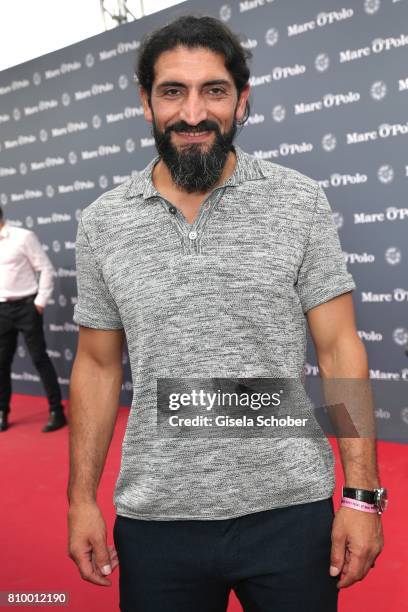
point(192, 235)
point(173, 210)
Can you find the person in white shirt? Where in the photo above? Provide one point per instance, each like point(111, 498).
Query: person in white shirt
point(23, 298)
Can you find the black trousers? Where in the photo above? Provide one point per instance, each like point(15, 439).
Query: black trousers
point(275, 561)
point(22, 316)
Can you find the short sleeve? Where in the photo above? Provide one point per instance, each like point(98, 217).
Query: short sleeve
point(95, 306)
point(323, 273)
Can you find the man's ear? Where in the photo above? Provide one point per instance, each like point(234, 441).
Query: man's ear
point(241, 106)
point(146, 107)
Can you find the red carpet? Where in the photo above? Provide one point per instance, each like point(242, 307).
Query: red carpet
point(33, 534)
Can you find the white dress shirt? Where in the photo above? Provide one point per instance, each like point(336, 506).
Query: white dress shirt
point(21, 257)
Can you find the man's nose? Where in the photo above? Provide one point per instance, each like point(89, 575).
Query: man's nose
point(193, 109)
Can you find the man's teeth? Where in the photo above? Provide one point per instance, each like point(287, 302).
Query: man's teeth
point(194, 133)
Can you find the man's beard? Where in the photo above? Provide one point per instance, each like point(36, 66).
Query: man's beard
point(195, 167)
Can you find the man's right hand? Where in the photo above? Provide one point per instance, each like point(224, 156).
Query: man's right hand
point(87, 543)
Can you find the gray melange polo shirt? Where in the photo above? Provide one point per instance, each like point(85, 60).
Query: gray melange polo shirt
point(224, 297)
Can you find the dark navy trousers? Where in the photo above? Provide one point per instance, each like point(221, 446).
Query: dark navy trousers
point(274, 560)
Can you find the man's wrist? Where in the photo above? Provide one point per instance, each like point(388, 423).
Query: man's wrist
point(362, 483)
point(81, 498)
point(77, 503)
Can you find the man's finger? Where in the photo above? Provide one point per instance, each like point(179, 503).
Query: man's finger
point(84, 563)
point(102, 557)
point(355, 570)
point(95, 565)
point(114, 559)
point(112, 551)
point(337, 555)
point(370, 563)
point(345, 567)
point(114, 562)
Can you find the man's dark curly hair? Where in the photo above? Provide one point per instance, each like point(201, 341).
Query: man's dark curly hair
point(193, 32)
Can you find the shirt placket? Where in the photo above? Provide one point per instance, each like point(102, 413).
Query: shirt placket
point(191, 234)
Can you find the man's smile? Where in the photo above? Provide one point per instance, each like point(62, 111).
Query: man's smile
point(193, 136)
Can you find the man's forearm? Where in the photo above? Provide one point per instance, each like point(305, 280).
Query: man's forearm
point(94, 402)
point(348, 360)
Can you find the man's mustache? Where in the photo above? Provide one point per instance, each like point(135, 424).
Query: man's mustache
point(193, 129)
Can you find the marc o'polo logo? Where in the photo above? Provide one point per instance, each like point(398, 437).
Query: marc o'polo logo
point(123, 81)
point(68, 354)
point(371, 6)
point(130, 145)
point(16, 114)
point(249, 43)
point(89, 60)
point(255, 119)
point(398, 295)
point(66, 99)
point(392, 213)
point(370, 336)
point(29, 221)
point(385, 173)
point(378, 90)
point(343, 180)
point(36, 78)
point(23, 168)
point(21, 352)
point(322, 62)
point(329, 142)
point(380, 413)
point(404, 415)
point(400, 336)
point(56, 246)
point(279, 113)
point(364, 258)
point(96, 122)
point(272, 37)
point(338, 219)
point(72, 158)
point(225, 12)
point(3, 199)
point(50, 191)
point(393, 255)
point(43, 135)
point(103, 182)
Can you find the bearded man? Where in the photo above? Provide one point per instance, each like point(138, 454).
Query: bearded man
point(211, 262)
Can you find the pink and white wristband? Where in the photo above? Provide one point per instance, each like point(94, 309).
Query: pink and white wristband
point(358, 505)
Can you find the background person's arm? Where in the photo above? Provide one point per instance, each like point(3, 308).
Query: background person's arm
point(95, 386)
point(41, 263)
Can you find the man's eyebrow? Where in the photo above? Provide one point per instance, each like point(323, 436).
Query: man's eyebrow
point(206, 84)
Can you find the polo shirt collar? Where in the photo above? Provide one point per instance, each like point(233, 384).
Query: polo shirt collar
point(247, 168)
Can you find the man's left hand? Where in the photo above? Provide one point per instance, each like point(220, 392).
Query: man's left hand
point(40, 309)
point(357, 540)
